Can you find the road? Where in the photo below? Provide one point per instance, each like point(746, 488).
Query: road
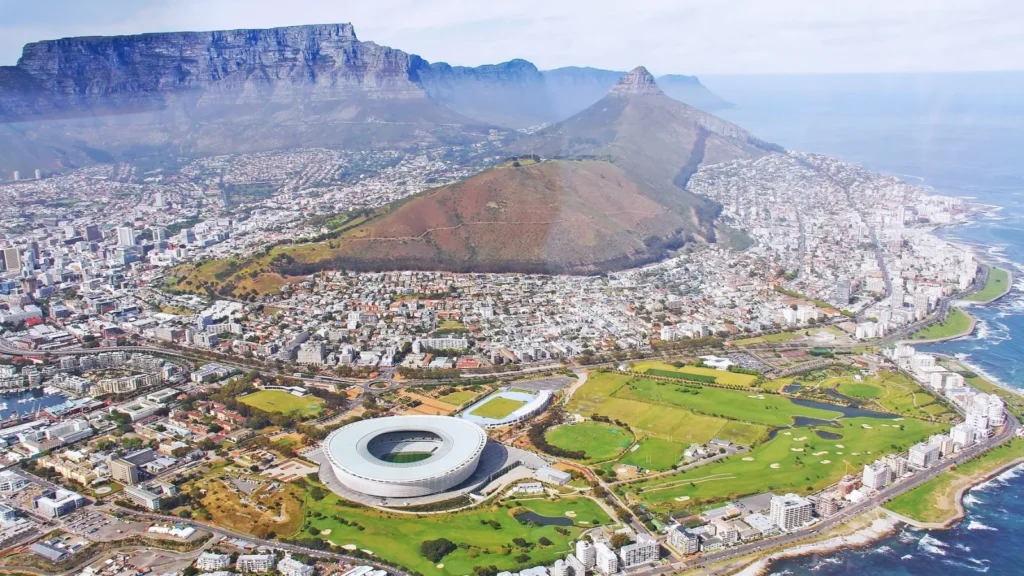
point(852, 511)
point(221, 531)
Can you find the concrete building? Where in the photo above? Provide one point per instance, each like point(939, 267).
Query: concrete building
point(577, 567)
point(124, 471)
point(125, 236)
point(828, 505)
point(683, 541)
point(790, 511)
point(923, 455)
point(586, 554)
point(876, 475)
point(11, 482)
point(560, 568)
point(292, 567)
point(255, 562)
point(552, 476)
point(644, 550)
point(606, 560)
point(57, 503)
point(142, 497)
point(898, 464)
point(208, 561)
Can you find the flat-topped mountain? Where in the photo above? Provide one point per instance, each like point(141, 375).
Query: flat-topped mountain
point(76, 100)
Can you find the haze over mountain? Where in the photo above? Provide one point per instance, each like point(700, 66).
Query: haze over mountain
point(613, 198)
point(76, 100)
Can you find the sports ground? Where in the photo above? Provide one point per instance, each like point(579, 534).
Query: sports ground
point(281, 401)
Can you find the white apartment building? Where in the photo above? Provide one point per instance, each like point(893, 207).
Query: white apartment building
point(606, 560)
point(255, 563)
point(790, 511)
point(292, 567)
point(208, 561)
point(560, 568)
point(645, 549)
point(876, 475)
point(963, 435)
point(923, 455)
point(897, 464)
point(586, 554)
point(684, 541)
point(11, 482)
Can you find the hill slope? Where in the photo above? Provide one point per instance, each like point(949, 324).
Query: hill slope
point(554, 216)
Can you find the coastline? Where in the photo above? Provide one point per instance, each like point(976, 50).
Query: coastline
point(879, 528)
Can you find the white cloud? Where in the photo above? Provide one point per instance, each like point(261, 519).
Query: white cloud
point(683, 36)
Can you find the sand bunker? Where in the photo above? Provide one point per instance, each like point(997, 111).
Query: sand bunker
point(788, 433)
point(570, 513)
point(820, 453)
point(682, 499)
point(797, 449)
point(774, 466)
point(840, 446)
point(866, 426)
point(350, 547)
point(325, 531)
point(800, 439)
point(747, 459)
point(826, 461)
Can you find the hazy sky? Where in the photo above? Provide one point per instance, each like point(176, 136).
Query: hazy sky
point(681, 36)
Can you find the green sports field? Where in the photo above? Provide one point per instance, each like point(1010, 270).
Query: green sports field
point(498, 408)
point(955, 324)
point(655, 454)
point(283, 402)
point(397, 537)
point(797, 460)
point(599, 440)
point(743, 433)
point(459, 398)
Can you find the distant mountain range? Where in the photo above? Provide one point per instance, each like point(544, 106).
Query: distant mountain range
point(78, 100)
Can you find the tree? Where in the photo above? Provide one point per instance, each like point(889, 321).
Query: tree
point(619, 540)
point(435, 550)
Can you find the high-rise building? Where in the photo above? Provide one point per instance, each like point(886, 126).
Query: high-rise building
point(158, 200)
point(39, 174)
point(560, 568)
point(125, 236)
point(586, 554)
point(17, 175)
point(790, 511)
point(12, 258)
point(828, 505)
point(92, 233)
point(575, 565)
point(876, 475)
point(684, 541)
point(645, 549)
point(843, 292)
point(923, 455)
point(898, 465)
point(607, 561)
point(123, 471)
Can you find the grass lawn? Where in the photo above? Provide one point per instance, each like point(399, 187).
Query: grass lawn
point(723, 377)
point(774, 338)
point(743, 433)
point(655, 454)
point(599, 440)
point(397, 537)
point(497, 408)
point(460, 398)
point(280, 401)
point(998, 281)
point(797, 460)
point(935, 500)
point(666, 422)
point(744, 406)
point(860, 390)
point(958, 322)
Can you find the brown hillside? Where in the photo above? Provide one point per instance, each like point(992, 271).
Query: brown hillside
point(555, 216)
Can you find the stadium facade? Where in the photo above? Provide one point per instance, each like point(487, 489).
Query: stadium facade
point(405, 456)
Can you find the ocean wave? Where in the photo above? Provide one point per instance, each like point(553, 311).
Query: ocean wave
point(932, 546)
point(972, 500)
point(975, 525)
point(973, 567)
point(783, 573)
point(882, 550)
point(963, 547)
point(906, 557)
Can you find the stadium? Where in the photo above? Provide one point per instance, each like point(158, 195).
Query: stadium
point(405, 456)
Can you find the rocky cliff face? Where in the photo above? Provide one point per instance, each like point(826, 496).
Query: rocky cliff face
point(636, 82)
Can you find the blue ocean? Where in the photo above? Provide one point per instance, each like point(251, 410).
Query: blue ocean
point(962, 135)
